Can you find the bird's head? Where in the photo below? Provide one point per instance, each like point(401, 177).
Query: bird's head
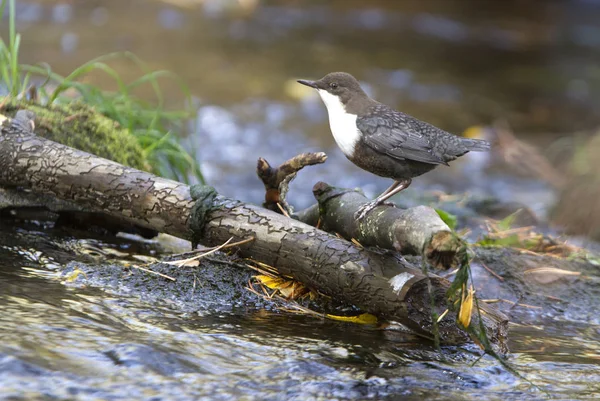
point(336, 87)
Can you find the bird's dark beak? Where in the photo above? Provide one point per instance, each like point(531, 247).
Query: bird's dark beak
point(312, 84)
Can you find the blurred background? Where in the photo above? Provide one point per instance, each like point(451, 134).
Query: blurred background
point(526, 68)
point(523, 73)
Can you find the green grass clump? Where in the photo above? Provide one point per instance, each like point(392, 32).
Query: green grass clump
point(149, 123)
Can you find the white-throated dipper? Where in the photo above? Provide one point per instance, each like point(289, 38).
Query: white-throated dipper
point(384, 141)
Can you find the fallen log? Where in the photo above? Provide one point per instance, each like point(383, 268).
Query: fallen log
point(417, 231)
point(377, 282)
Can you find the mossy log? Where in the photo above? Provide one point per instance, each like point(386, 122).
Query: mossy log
point(81, 127)
point(377, 282)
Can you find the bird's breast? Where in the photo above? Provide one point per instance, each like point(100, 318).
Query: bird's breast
point(345, 132)
point(342, 124)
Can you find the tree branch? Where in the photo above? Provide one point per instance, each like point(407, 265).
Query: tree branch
point(277, 180)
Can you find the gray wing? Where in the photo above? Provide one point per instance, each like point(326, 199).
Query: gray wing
point(400, 136)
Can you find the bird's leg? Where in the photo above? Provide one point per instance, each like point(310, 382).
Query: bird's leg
point(393, 190)
point(388, 193)
point(380, 200)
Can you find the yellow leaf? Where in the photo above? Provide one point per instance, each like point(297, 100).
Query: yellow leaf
point(466, 306)
point(73, 276)
point(287, 287)
point(365, 318)
point(286, 284)
point(273, 283)
point(287, 291)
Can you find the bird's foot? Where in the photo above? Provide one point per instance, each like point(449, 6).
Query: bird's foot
point(366, 208)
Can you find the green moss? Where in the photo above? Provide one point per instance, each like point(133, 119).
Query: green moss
point(80, 126)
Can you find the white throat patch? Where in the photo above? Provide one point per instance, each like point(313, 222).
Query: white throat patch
point(342, 124)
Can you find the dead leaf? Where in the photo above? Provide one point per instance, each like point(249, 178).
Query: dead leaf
point(365, 318)
point(466, 306)
point(73, 276)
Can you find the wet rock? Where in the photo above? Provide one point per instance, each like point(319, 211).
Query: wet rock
point(557, 288)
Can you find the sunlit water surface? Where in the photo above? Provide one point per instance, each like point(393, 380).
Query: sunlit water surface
point(64, 340)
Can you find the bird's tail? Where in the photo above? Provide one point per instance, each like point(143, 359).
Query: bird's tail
point(475, 145)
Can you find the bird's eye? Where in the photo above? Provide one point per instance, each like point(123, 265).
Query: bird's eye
point(333, 85)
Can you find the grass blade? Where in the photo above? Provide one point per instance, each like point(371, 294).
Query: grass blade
point(2, 7)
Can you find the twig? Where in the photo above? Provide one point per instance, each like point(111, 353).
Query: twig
point(496, 300)
point(223, 246)
point(225, 262)
point(208, 251)
point(552, 270)
point(283, 211)
point(264, 269)
point(277, 179)
point(72, 117)
point(551, 297)
point(152, 272)
point(493, 273)
point(450, 273)
point(4, 101)
point(528, 252)
point(183, 262)
point(355, 242)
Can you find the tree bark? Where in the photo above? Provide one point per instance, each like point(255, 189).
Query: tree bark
point(417, 231)
point(377, 282)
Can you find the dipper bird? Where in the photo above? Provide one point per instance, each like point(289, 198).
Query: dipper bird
point(384, 141)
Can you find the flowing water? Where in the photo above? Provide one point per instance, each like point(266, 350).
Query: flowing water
point(453, 63)
point(67, 339)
